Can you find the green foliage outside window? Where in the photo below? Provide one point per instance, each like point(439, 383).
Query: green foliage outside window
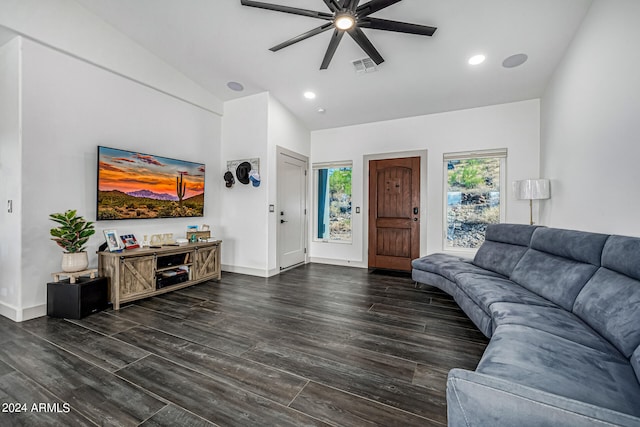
point(469, 176)
point(340, 181)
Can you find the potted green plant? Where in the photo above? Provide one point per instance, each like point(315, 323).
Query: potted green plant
point(72, 235)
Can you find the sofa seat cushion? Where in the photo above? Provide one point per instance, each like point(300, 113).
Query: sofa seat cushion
point(478, 316)
point(547, 362)
point(448, 266)
point(553, 320)
point(432, 279)
point(484, 291)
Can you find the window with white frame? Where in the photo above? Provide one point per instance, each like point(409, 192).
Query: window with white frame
point(474, 184)
point(333, 202)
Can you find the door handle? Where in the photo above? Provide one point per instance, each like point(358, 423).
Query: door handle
point(282, 221)
point(416, 211)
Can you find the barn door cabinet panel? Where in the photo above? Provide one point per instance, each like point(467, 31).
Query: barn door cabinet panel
point(137, 275)
point(207, 263)
point(141, 273)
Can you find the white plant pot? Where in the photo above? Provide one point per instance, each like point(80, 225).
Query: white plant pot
point(72, 262)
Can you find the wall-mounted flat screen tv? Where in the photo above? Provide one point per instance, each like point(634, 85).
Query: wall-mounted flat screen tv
point(134, 185)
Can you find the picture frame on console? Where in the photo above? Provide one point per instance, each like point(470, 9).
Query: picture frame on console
point(111, 236)
point(129, 241)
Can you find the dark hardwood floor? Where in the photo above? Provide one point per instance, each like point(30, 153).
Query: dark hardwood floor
point(317, 345)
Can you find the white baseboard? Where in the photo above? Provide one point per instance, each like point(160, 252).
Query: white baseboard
point(335, 261)
point(18, 315)
point(249, 271)
point(8, 311)
point(34, 312)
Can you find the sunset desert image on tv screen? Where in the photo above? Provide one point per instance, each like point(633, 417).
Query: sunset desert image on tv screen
point(135, 185)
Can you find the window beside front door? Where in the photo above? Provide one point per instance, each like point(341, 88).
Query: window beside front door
point(333, 202)
point(474, 196)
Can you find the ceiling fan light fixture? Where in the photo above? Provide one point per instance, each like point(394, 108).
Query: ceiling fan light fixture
point(346, 16)
point(344, 22)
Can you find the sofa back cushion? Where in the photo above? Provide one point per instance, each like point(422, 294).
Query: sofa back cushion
point(610, 301)
point(559, 263)
point(574, 245)
point(622, 254)
point(504, 245)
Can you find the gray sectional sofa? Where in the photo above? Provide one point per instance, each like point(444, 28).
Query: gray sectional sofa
point(562, 309)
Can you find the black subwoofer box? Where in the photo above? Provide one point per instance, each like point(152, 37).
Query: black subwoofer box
point(77, 300)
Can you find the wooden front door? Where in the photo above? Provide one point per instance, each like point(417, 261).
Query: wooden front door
point(394, 213)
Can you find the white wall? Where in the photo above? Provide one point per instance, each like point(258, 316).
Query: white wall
point(70, 28)
point(244, 222)
point(69, 108)
point(10, 178)
point(514, 126)
point(255, 126)
point(590, 125)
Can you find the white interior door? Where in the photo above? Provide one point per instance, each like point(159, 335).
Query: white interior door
point(291, 213)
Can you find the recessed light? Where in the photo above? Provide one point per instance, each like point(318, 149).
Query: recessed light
point(321, 110)
point(515, 60)
point(309, 95)
point(235, 86)
point(477, 59)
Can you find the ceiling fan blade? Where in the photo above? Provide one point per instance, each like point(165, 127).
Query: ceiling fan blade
point(303, 36)
point(374, 6)
point(366, 45)
point(333, 45)
point(399, 27)
point(288, 9)
point(333, 5)
point(350, 4)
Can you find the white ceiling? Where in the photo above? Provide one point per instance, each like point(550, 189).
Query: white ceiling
point(214, 42)
point(5, 35)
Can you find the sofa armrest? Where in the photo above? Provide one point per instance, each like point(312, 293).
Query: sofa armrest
point(475, 399)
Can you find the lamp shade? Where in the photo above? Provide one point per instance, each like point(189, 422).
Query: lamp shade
point(531, 189)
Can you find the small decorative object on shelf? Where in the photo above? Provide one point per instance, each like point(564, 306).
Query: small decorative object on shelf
point(111, 237)
point(72, 235)
point(129, 241)
point(198, 236)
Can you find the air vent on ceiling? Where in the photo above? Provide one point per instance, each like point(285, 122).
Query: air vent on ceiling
point(364, 65)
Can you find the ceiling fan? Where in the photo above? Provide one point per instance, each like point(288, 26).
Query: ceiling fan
point(346, 17)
